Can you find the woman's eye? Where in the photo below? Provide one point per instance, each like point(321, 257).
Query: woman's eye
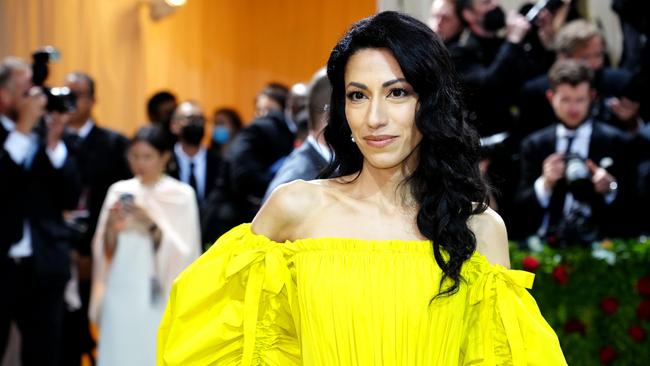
point(355, 95)
point(398, 93)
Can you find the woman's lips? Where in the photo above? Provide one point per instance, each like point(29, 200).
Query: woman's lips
point(380, 140)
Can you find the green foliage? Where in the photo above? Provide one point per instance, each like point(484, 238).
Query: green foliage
point(596, 302)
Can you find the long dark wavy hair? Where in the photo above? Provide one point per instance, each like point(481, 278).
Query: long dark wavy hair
point(446, 183)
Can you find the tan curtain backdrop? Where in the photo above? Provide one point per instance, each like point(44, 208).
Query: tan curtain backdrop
point(215, 51)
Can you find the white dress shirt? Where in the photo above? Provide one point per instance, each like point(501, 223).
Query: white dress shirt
point(200, 161)
point(21, 149)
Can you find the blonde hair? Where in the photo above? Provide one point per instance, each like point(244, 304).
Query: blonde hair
point(575, 35)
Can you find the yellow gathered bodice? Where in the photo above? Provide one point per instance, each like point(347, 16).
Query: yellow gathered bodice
point(333, 301)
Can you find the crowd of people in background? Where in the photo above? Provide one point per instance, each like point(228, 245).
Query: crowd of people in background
point(93, 222)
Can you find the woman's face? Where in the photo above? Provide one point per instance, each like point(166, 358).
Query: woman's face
point(146, 162)
point(380, 107)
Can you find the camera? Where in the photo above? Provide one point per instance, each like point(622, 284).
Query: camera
point(550, 5)
point(578, 177)
point(59, 99)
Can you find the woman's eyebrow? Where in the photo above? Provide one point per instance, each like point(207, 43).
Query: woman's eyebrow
point(385, 84)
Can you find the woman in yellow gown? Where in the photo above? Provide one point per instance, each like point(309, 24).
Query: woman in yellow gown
point(396, 260)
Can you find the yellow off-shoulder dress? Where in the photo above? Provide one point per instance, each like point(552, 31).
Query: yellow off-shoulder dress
point(253, 301)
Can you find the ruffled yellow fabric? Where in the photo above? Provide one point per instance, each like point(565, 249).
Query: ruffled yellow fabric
point(252, 301)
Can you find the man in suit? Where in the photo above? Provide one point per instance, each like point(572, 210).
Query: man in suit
point(38, 180)
point(248, 166)
point(568, 200)
point(313, 155)
point(191, 162)
point(101, 157)
point(491, 68)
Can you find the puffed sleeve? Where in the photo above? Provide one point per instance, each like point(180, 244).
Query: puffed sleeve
point(503, 322)
point(235, 305)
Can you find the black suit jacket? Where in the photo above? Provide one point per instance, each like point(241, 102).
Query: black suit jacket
point(605, 142)
point(303, 163)
point(491, 71)
point(245, 174)
point(101, 159)
point(38, 195)
point(213, 166)
point(249, 159)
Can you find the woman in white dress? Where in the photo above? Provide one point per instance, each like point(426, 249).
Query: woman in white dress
point(148, 232)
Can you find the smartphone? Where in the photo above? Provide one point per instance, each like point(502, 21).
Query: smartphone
point(127, 198)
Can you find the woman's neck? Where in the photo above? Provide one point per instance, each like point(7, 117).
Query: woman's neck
point(383, 186)
point(150, 181)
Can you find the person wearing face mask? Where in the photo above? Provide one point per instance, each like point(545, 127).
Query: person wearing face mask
point(192, 163)
point(491, 67)
point(226, 125)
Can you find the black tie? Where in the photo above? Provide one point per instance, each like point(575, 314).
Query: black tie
point(569, 142)
point(193, 179)
point(556, 206)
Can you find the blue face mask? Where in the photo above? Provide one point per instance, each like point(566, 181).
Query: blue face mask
point(220, 135)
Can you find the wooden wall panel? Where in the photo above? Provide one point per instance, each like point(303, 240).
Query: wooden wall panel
point(215, 51)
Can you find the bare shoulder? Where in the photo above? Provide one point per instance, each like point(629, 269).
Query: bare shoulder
point(285, 207)
point(491, 236)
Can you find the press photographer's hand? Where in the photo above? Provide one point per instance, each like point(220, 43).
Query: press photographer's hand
point(30, 110)
point(600, 177)
point(516, 27)
point(56, 123)
point(553, 170)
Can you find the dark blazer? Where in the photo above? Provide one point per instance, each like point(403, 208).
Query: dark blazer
point(303, 163)
point(213, 165)
point(491, 71)
point(642, 147)
point(39, 195)
point(245, 174)
point(250, 156)
point(606, 141)
point(101, 158)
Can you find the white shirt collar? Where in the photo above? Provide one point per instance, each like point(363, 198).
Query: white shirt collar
point(7, 123)
point(584, 130)
point(85, 129)
point(200, 156)
point(324, 151)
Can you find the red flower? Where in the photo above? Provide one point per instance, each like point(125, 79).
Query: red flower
point(530, 263)
point(609, 305)
point(607, 354)
point(560, 274)
point(643, 286)
point(643, 311)
point(637, 333)
point(575, 326)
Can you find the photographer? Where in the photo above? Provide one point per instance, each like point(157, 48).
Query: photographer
point(575, 173)
point(38, 180)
